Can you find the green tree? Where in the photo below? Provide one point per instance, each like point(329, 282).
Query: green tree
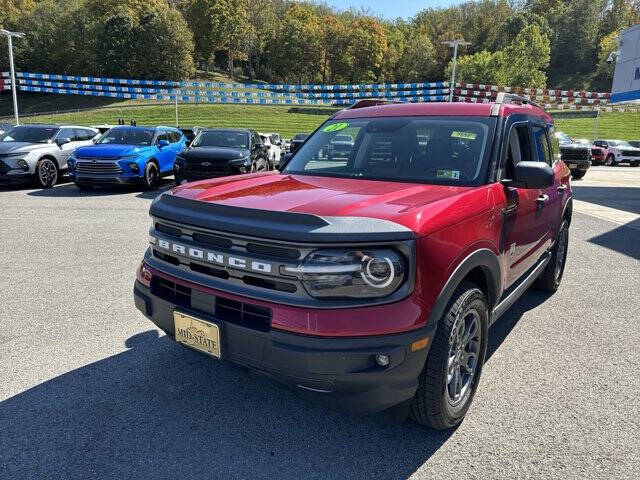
point(234, 29)
point(116, 41)
point(204, 21)
point(163, 46)
point(417, 63)
point(481, 67)
point(604, 70)
point(368, 46)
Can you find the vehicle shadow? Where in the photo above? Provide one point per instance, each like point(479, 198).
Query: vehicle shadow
point(71, 190)
point(501, 329)
point(620, 198)
point(159, 410)
point(623, 239)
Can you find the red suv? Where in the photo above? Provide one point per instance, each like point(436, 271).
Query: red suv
point(370, 280)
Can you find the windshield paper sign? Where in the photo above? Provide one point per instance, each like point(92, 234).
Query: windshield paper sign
point(626, 81)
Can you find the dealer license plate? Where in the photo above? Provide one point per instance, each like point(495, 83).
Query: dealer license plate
point(197, 334)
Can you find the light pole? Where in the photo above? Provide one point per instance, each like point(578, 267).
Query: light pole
point(14, 86)
point(454, 44)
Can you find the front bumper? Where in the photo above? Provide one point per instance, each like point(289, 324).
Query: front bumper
point(104, 179)
point(339, 373)
point(627, 159)
point(15, 177)
point(581, 165)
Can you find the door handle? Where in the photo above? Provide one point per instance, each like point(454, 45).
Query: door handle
point(542, 199)
point(562, 189)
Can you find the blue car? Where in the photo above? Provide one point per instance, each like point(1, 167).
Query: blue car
point(127, 155)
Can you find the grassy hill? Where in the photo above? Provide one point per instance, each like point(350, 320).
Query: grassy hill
point(613, 125)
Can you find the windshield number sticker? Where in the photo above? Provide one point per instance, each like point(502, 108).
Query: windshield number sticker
point(464, 135)
point(451, 174)
point(335, 127)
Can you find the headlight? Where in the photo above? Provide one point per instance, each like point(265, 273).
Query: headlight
point(242, 164)
point(350, 273)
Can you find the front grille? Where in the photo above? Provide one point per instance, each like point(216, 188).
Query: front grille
point(232, 311)
point(4, 168)
point(110, 168)
point(630, 153)
point(230, 246)
point(574, 154)
point(596, 151)
point(215, 169)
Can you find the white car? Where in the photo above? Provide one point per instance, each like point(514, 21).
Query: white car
point(619, 151)
point(40, 152)
point(273, 147)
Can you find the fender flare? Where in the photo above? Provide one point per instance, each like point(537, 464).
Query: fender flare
point(490, 265)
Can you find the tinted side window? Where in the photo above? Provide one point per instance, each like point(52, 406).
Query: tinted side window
point(518, 150)
point(543, 152)
point(163, 135)
point(66, 133)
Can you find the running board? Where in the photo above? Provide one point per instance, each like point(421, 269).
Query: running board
point(510, 299)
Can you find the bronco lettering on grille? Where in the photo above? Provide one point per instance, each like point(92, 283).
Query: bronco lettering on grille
point(214, 257)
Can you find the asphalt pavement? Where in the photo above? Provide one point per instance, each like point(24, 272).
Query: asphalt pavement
point(90, 389)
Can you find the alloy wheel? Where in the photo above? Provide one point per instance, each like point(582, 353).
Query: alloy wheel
point(561, 255)
point(464, 350)
point(47, 173)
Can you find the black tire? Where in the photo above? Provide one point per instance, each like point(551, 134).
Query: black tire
point(610, 161)
point(47, 173)
point(578, 174)
point(432, 406)
point(260, 165)
point(635, 164)
point(151, 176)
point(549, 280)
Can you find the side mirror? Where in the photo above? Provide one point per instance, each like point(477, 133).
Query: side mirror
point(284, 159)
point(531, 175)
point(62, 141)
point(163, 143)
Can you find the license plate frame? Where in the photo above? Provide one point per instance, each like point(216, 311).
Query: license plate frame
point(198, 334)
point(573, 165)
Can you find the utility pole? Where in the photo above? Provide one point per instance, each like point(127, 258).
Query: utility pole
point(14, 85)
point(454, 44)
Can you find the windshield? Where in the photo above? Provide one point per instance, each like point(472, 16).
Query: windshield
point(563, 137)
point(29, 134)
point(222, 138)
point(439, 150)
point(618, 143)
point(129, 136)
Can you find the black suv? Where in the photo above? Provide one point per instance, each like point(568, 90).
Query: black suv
point(217, 152)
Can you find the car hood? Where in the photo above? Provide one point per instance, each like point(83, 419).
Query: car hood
point(402, 203)
point(111, 150)
point(16, 147)
point(214, 153)
point(574, 146)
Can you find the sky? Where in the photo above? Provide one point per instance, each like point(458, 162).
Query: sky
point(391, 8)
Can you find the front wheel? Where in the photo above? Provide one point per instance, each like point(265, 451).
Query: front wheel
point(450, 377)
point(151, 176)
point(635, 164)
point(578, 174)
point(610, 161)
point(46, 173)
point(549, 280)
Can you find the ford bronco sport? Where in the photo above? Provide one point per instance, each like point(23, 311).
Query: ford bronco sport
point(372, 280)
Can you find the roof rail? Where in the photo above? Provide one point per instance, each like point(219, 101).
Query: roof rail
point(510, 98)
point(370, 102)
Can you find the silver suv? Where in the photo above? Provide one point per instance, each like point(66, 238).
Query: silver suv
point(40, 152)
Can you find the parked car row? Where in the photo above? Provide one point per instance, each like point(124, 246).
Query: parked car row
point(131, 154)
point(580, 154)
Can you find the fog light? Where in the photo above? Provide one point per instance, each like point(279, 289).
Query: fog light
point(382, 360)
point(134, 167)
point(23, 164)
